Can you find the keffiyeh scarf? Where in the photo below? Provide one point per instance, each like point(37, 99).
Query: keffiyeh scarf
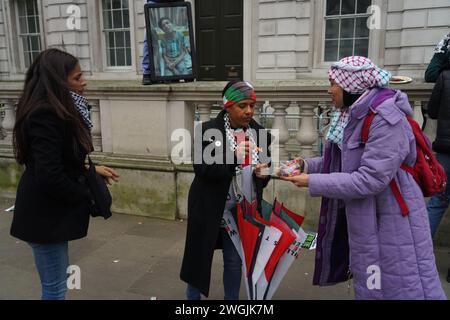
point(83, 108)
point(339, 121)
point(444, 45)
point(357, 74)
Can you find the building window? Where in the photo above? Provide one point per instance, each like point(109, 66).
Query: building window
point(29, 30)
point(116, 29)
point(346, 31)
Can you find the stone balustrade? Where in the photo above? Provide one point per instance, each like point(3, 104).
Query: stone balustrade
point(136, 130)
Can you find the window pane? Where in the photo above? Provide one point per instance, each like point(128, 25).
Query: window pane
point(332, 29)
point(348, 7)
point(106, 4)
point(30, 7)
point(347, 28)
point(128, 53)
point(120, 55)
point(116, 4)
point(361, 28)
point(34, 55)
point(110, 40)
point(331, 48)
point(125, 4)
point(127, 39)
point(107, 24)
point(126, 19)
point(23, 24)
point(362, 47)
point(34, 40)
point(333, 7)
point(111, 57)
point(120, 39)
point(31, 25)
point(346, 48)
point(363, 5)
point(21, 7)
point(26, 45)
point(117, 19)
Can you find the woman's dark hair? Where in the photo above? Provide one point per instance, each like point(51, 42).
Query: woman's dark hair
point(350, 98)
point(46, 84)
point(229, 84)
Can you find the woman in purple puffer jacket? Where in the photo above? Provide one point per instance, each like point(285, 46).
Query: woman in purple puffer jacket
point(362, 232)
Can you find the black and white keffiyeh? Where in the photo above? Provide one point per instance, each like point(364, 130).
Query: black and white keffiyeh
point(83, 108)
point(444, 45)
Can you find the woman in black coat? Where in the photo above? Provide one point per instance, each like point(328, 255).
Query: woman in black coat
point(210, 193)
point(52, 139)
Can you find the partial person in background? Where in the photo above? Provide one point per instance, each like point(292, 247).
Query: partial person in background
point(146, 60)
point(439, 108)
point(440, 58)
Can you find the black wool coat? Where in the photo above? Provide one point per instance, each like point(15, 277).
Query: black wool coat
point(53, 201)
point(206, 202)
point(439, 108)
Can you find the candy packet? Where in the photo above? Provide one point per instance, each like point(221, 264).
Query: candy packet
point(291, 168)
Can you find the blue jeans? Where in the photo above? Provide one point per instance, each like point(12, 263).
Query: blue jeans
point(51, 262)
point(438, 204)
point(232, 271)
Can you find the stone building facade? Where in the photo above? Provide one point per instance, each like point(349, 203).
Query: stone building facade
point(282, 39)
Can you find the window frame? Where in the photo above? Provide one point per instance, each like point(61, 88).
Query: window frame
point(340, 17)
point(17, 35)
point(104, 47)
point(376, 37)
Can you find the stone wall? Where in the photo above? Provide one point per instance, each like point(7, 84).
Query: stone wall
point(4, 68)
point(283, 38)
point(413, 30)
point(57, 34)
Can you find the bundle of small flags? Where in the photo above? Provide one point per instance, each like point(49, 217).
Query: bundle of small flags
point(268, 243)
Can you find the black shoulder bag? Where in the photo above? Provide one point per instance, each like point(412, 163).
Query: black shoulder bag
point(101, 197)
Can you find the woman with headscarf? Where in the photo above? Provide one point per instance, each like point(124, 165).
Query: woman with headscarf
point(221, 161)
point(362, 231)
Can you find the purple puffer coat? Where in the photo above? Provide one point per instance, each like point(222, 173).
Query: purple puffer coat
point(361, 228)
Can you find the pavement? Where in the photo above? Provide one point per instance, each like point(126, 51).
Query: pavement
point(137, 258)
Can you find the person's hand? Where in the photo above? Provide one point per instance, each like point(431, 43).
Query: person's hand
point(107, 173)
point(300, 181)
point(262, 171)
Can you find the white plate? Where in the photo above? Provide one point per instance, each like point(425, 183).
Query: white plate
point(400, 80)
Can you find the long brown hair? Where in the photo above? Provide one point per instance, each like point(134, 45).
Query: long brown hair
point(46, 84)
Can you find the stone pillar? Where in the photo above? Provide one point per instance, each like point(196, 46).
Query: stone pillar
point(204, 110)
point(307, 133)
point(280, 130)
point(8, 121)
point(96, 130)
point(258, 109)
point(418, 116)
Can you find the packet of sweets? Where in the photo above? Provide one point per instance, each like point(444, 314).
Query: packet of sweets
point(292, 168)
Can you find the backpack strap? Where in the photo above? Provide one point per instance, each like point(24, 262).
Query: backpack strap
point(398, 196)
point(366, 126)
point(394, 186)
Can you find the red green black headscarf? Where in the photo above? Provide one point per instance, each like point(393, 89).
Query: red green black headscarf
point(237, 92)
